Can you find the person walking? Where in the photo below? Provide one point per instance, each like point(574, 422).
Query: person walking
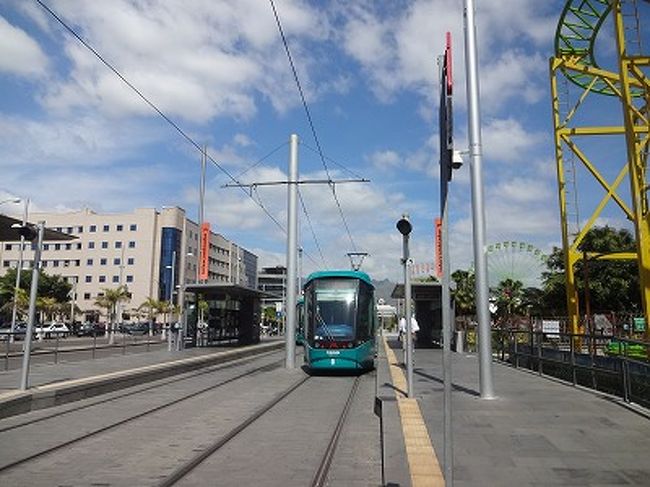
point(402, 332)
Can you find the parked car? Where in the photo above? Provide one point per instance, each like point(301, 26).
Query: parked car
point(53, 329)
point(138, 329)
point(90, 329)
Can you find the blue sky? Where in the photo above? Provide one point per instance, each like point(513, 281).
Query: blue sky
point(81, 138)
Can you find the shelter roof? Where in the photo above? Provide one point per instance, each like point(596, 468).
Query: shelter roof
point(9, 234)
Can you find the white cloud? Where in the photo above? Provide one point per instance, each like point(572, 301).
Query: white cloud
point(19, 53)
point(385, 159)
point(507, 140)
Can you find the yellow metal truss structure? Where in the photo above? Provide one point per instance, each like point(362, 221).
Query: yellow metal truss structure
point(631, 86)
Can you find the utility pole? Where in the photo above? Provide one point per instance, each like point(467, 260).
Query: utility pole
point(478, 211)
point(292, 248)
point(19, 271)
point(24, 376)
point(292, 241)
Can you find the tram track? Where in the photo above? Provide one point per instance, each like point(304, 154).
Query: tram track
point(160, 383)
point(321, 475)
point(116, 424)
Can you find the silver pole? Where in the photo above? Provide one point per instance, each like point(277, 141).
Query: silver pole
point(407, 304)
point(446, 329)
point(292, 251)
point(24, 376)
point(171, 304)
point(478, 211)
point(19, 269)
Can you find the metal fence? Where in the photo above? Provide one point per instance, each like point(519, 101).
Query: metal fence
point(608, 363)
point(52, 346)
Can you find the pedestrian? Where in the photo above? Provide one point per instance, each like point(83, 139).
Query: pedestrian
point(402, 331)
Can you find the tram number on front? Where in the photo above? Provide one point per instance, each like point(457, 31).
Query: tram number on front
point(333, 352)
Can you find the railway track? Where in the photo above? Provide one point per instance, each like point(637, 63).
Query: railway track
point(323, 467)
point(95, 432)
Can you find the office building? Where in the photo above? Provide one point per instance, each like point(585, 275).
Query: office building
point(153, 252)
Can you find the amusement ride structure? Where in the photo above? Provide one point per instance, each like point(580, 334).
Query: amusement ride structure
point(626, 86)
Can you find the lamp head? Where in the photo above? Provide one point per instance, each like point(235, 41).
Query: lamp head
point(404, 225)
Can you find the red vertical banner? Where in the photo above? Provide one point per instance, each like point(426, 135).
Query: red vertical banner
point(438, 247)
point(204, 261)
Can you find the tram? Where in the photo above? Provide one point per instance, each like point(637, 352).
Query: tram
point(340, 319)
point(300, 321)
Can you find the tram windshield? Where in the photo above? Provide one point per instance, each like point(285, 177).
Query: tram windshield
point(332, 310)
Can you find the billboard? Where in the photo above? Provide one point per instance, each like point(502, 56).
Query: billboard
point(204, 262)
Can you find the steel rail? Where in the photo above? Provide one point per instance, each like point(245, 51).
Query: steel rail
point(159, 383)
point(147, 412)
point(209, 450)
point(320, 479)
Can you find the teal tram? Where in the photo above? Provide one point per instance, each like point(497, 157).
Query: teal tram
point(340, 319)
point(300, 324)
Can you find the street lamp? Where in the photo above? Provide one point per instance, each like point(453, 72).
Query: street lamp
point(404, 226)
point(171, 302)
point(19, 268)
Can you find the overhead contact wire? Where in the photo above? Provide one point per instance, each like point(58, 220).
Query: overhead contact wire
point(150, 103)
point(311, 123)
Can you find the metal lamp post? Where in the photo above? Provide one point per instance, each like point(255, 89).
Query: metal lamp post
point(171, 302)
point(404, 226)
point(19, 270)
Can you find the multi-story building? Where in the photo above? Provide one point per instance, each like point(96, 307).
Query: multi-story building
point(273, 282)
point(151, 252)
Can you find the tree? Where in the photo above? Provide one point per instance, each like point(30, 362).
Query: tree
point(613, 284)
point(109, 300)
point(55, 287)
point(508, 297)
point(465, 293)
point(152, 308)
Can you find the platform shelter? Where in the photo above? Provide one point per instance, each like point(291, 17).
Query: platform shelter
point(428, 312)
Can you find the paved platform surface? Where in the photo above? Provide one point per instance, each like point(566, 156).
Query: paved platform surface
point(69, 380)
point(538, 431)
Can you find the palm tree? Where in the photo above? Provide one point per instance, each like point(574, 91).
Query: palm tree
point(151, 307)
point(109, 301)
point(509, 297)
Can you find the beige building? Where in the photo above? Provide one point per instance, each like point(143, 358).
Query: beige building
point(145, 250)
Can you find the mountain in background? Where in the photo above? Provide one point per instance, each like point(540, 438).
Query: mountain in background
point(383, 290)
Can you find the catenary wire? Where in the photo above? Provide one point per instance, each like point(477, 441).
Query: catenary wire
point(254, 165)
point(152, 105)
point(356, 175)
point(311, 228)
point(311, 123)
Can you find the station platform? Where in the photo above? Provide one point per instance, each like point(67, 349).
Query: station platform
point(67, 381)
point(537, 431)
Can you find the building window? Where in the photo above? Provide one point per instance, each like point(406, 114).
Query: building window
point(132, 244)
point(89, 278)
point(91, 245)
point(106, 228)
point(119, 228)
point(102, 278)
point(116, 261)
point(133, 227)
point(55, 263)
point(79, 246)
point(66, 263)
point(118, 245)
point(80, 229)
point(130, 261)
point(77, 263)
point(89, 262)
point(69, 230)
point(68, 246)
point(86, 296)
point(57, 246)
point(116, 279)
point(93, 228)
point(104, 245)
point(7, 246)
point(45, 247)
point(129, 278)
point(102, 261)
point(44, 262)
point(5, 263)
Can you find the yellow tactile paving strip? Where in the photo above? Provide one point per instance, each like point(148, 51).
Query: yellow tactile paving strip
point(423, 462)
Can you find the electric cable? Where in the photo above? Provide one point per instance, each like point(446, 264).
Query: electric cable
point(153, 105)
point(311, 228)
point(311, 123)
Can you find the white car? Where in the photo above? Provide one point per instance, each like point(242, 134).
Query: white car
point(52, 329)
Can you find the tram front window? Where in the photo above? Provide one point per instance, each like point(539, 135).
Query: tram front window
point(333, 311)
